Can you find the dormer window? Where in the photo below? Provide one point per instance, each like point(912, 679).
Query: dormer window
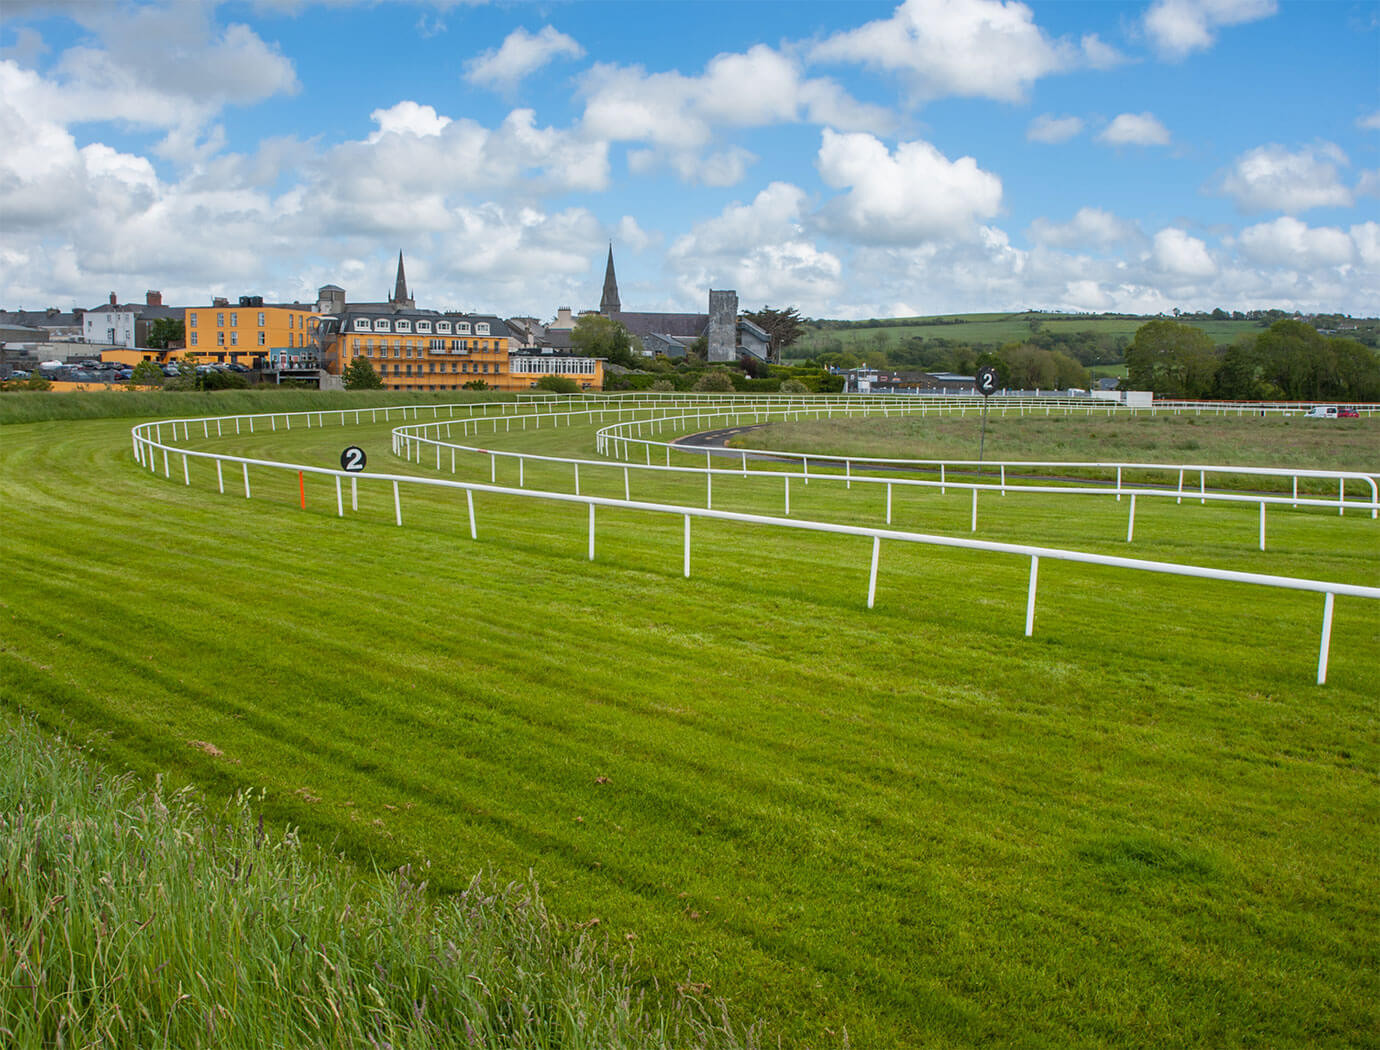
point(361, 324)
point(482, 328)
point(380, 324)
point(402, 326)
point(462, 328)
point(423, 327)
point(443, 328)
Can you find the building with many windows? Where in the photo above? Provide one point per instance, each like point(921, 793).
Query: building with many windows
point(253, 333)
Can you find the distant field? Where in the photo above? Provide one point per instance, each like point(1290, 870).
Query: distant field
point(996, 329)
point(1143, 826)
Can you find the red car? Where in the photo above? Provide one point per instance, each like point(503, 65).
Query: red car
point(1348, 413)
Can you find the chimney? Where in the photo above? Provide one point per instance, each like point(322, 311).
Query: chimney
point(220, 300)
point(153, 298)
point(113, 300)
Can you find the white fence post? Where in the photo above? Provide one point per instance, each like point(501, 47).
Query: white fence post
point(1326, 639)
point(469, 502)
point(186, 475)
point(591, 532)
point(1030, 596)
point(220, 478)
point(1262, 524)
point(339, 497)
point(1131, 520)
point(687, 546)
point(246, 480)
point(397, 504)
point(872, 576)
point(973, 527)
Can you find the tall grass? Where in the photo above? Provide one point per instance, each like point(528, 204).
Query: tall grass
point(139, 918)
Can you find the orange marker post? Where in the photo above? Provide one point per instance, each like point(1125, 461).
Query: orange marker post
point(302, 488)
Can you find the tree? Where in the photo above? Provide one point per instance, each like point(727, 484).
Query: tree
point(187, 377)
point(1172, 359)
point(715, 382)
point(360, 375)
point(558, 384)
point(475, 384)
point(164, 332)
point(146, 373)
point(595, 335)
point(783, 327)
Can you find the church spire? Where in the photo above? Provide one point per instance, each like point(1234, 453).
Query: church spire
point(608, 304)
point(400, 287)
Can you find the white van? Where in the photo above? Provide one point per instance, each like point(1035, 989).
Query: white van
point(1321, 412)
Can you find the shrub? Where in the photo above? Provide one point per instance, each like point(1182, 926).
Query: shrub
point(794, 386)
point(558, 384)
point(714, 382)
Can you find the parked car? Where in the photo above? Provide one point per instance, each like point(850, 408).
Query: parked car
point(1348, 413)
point(1321, 412)
point(19, 373)
point(235, 366)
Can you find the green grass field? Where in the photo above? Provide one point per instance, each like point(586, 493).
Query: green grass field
point(1143, 826)
point(998, 329)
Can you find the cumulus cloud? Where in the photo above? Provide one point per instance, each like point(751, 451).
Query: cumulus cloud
point(760, 249)
point(1090, 227)
point(1370, 122)
point(1179, 27)
point(521, 54)
point(407, 118)
point(1288, 242)
point(1135, 129)
point(1271, 178)
point(915, 193)
point(1051, 129)
point(1179, 255)
point(723, 168)
point(970, 48)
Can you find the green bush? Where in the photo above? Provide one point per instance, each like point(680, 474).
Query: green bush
point(558, 384)
point(714, 382)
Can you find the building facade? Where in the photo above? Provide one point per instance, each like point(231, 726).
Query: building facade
point(252, 333)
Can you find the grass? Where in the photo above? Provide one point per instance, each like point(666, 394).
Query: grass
point(1144, 826)
point(137, 918)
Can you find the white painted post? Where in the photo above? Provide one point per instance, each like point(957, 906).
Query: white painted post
point(872, 576)
point(788, 495)
point(888, 503)
point(1030, 596)
point(397, 504)
point(974, 525)
point(438, 456)
point(1202, 485)
point(1296, 492)
point(805, 463)
point(1326, 639)
point(1262, 524)
point(848, 473)
point(627, 486)
point(167, 471)
point(469, 502)
point(577, 479)
point(744, 464)
point(246, 481)
point(1181, 486)
point(220, 478)
point(1341, 496)
point(354, 492)
point(1131, 521)
point(591, 532)
point(493, 469)
point(942, 488)
point(521, 471)
point(205, 428)
point(1003, 479)
point(709, 489)
point(186, 476)
point(687, 546)
point(339, 498)
point(1118, 484)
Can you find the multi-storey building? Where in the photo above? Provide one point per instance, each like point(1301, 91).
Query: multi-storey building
point(253, 333)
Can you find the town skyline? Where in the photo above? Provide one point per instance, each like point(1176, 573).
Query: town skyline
point(854, 160)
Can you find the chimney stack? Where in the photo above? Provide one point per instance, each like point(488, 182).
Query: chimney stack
point(113, 300)
point(153, 298)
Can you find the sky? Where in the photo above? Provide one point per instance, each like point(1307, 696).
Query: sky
point(849, 159)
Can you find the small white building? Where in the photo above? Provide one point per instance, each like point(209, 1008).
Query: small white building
point(110, 325)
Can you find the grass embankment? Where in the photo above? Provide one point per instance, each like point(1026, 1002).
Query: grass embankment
point(1143, 826)
point(136, 918)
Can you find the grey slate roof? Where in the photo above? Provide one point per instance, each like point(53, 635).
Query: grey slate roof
point(640, 324)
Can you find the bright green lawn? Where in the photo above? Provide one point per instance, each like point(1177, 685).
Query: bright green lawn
point(1144, 826)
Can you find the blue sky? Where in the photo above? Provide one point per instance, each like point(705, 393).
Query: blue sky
point(849, 159)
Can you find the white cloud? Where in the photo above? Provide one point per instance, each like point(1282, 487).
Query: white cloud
point(521, 54)
point(970, 48)
point(1179, 27)
point(760, 250)
point(1288, 242)
point(915, 193)
point(1370, 122)
point(1051, 129)
point(1270, 178)
point(1089, 227)
point(1368, 183)
point(1366, 237)
point(407, 118)
point(1135, 129)
point(1179, 255)
point(724, 168)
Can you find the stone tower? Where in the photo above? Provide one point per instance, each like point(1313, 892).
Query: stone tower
point(608, 303)
point(400, 297)
point(722, 333)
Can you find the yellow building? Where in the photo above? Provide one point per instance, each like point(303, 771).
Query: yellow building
point(252, 333)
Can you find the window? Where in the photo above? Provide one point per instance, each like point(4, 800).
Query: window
point(462, 328)
point(191, 319)
point(482, 328)
point(261, 318)
point(193, 339)
point(485, 366)
point(234, 338)
point(261, 338)
point(402, 326)
point(220, 339)
point(234, 320)
point(380, 324)
point(361, 324)
point(443, 327)
point(423, 327)
point(354, 345)
point(409, 370)
point(220, 320)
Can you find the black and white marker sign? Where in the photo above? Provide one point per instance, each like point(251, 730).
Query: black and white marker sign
point(987, 380)
point(352, 459)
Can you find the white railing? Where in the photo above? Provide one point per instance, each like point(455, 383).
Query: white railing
point(149, 444)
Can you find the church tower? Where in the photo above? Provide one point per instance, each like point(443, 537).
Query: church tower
point(400, 297)
point(608, 303)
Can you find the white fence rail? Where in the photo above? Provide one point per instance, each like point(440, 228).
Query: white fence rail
point(150, 447)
